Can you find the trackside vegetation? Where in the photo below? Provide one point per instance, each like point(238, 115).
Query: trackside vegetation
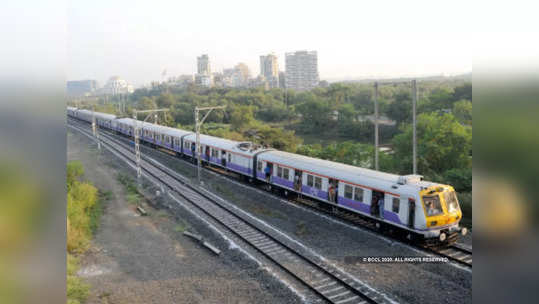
point(84, 207)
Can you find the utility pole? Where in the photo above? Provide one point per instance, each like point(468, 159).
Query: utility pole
point(414, 101)
point(136, 136)
point(376, 125)
point(198, 124)
point(95, 128)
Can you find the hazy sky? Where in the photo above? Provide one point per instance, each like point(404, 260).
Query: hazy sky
point(137, 39)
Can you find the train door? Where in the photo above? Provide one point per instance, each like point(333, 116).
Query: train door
point(298, 176)
point(332, 190)
point(268, 171)
point(376, 198)
point(223, 158)
point(207, 153)
point(411, 212)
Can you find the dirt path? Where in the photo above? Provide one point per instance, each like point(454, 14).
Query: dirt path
point(146, 259)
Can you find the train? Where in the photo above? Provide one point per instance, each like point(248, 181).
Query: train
point(419, 210)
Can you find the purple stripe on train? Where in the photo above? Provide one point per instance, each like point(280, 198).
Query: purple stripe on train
point(239, 168)
point(354, 204)
point(282, 182)
point(314, 192)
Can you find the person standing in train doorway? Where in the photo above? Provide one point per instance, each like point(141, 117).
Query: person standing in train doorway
point(381, 206)
point(193, 152)
point(267, 170)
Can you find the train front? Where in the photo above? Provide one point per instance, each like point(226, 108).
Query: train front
point(442, 214)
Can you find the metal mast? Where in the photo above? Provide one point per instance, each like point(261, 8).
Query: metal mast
point(136, 136)
point(376, 125)
point(414, 101)
point(197, 130)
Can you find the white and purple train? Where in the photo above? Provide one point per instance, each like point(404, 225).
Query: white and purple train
point(422, 210)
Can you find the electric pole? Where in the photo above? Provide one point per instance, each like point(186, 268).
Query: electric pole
point(414, 101)
point(376, 125)
point(197, 130)
point(136, 136)
point(95, 128)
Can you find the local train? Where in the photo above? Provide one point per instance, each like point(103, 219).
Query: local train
point(421, 210)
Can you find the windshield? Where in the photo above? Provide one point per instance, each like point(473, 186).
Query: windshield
point(451, 201)
point(432, 204)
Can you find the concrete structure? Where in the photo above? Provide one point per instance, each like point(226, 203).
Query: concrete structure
point(204, 80)
point(302, 70)
point(203, 65)
point(269, 68)
point(116, 86)
point(81, 88)
point(282, 80)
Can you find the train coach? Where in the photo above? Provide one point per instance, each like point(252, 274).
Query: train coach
point(422, 210)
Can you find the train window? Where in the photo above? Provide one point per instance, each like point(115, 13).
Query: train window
point(167, 139)
point(318, 182)
point(285, 173)
point(214, 153)
point(310, 180)
point(358, 194)
point(348, 191)
point(259, 166)
point(229, 157)
point(176, 141)
point(432, 204)
point(396, 204)
point(451, 201)
point(279, 171)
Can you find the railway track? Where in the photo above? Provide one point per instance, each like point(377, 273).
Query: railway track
point(326, 281)
point(454, 252)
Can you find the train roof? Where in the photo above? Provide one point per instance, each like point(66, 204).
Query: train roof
point(166, 130)
point(72, 108)
point(98, 114)
point(361, 176)
point(213, 141)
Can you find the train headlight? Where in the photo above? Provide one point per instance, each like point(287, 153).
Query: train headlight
point(442, 236)
point(464, 231)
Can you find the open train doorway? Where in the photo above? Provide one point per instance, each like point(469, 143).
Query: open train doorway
point(377, 203)
point(411, 212)
point(298, 180)
point(268, 171)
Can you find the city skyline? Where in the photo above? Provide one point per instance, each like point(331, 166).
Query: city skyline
point(120, 38)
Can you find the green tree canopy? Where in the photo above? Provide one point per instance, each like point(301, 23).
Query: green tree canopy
point(442, 144)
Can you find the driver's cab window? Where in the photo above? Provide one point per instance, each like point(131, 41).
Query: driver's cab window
point(432, 205)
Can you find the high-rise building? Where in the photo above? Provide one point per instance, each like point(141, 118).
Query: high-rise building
point(301, 70)
point(203, 65)
point(241, 75)
point(269, 68)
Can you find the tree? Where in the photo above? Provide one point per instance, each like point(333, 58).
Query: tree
point(241, 118)
point(165, 101)
point(462, 109)
point(146, 103)
point(442, 98)
point(442, 144)
point(316, 115)
point(463, 91)
point(400, 109)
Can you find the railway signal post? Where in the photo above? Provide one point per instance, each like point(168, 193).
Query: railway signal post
point(197, 130)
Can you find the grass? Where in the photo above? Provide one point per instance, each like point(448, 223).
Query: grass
point(77, 290)
point(181, 227)
point(132, 196)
